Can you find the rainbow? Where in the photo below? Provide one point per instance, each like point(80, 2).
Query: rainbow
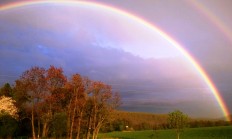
point(152, 27)
point(223, 28)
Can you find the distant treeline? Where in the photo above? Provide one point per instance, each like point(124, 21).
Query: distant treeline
point(128, 121)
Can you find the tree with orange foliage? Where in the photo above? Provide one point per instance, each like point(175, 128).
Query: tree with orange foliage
point(31, 87)
point(102, 101)
point(55, 81)
point(77, 91)
point(85, 104)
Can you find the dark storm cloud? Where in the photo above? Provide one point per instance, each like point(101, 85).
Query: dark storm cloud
point(192, 107)
point(158, 85)
point(131, 75)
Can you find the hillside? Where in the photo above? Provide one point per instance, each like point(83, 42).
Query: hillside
point(140, 117)
point(128, 121)
point(123, 120)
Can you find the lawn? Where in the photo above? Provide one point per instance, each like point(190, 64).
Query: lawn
point(224, 132)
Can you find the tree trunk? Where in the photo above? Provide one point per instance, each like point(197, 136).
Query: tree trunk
point(74, 113)
point(79, 125)
point(46, 120)
point(32, 124)
point(68, 120)
point(94, 117)
point(44, 129)
point(97, 128)
point(89, 127)
point(93, 134)
point(72, 123)
point(97, 131)
point(38, 134)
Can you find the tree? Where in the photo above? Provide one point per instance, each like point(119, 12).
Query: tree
point(55, 81)
point(8, 127)
point(6, 90)
point(59, 122)
point(45, 96)
point(31, 87)
point(8, 117)
point(101, 103)
point(178, 121)
point(77, 100)
point(7, 107)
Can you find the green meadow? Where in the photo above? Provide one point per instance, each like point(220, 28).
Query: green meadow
point(223, 132)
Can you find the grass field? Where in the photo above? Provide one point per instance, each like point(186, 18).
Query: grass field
point(224, 132)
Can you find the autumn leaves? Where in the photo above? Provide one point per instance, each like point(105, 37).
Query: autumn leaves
point(41, 94)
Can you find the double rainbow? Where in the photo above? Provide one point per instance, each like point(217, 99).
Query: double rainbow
point(152, 27)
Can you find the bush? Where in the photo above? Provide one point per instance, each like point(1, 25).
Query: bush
point(8, 126)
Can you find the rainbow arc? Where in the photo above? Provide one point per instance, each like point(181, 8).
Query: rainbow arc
point(151, 26)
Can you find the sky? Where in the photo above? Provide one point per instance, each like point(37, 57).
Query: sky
point(150, 73)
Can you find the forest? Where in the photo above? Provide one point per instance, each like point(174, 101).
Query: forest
point(45, 103)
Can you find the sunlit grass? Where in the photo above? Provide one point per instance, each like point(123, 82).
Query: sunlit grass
point(224, 132)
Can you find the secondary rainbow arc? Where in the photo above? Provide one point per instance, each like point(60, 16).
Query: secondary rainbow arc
point(200, 70)
point(216, 21)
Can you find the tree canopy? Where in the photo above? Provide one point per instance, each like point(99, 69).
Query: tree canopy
point(44, 96)
point(177, 120)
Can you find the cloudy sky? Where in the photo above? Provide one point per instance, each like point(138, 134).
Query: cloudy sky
point(149, 72)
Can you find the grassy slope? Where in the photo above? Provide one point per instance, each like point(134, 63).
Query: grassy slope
point(192, 133)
